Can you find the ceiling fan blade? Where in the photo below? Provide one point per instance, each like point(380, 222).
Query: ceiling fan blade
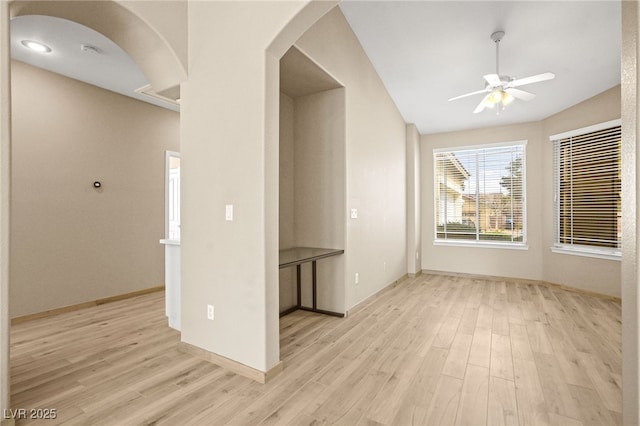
point(533, 79)
point(520, 94)
point(482, 105)
point(492, 79)
point(468, 94)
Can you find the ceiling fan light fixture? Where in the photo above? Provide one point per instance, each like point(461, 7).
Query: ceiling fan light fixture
point(498, 97)
point(507, 98)
point(495, 97)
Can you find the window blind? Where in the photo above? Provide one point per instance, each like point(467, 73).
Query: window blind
point(479, 193)
point(587, 170)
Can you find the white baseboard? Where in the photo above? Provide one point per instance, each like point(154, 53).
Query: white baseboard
point(235, 366)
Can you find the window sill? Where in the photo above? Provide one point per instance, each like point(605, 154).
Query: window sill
point(588, 252)
point(482, 244)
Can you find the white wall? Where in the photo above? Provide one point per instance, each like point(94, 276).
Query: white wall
point(414, 224)
point(5, 199)
point(319, 163)
point(72, 243)
point(538, 262)
point(630, 215)
point(229, 150)
point(287, 293)
point(475, 260)
point(167, 17)
point(375, 160)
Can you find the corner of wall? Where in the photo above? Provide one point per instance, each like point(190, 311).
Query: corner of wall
point(414, 248)
point(629, 290)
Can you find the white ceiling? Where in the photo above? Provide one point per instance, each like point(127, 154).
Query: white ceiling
point(429, 51)
point(111, 68)
point(424, 51)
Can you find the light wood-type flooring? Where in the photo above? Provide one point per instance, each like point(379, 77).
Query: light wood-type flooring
point(434, 350)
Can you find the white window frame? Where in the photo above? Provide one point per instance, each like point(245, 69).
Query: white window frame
point(575, 249)
point(170, 209)
point(513, 245)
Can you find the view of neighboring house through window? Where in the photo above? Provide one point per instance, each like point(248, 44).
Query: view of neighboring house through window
point(479, 194)
point(587, 168)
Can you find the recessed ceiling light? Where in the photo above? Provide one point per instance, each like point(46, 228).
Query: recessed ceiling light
point(36, 46)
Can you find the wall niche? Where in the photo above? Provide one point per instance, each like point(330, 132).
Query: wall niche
point(312, 177)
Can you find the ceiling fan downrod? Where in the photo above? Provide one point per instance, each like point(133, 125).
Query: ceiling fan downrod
point(497, 38)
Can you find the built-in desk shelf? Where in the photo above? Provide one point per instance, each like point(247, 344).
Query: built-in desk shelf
point(296, 256)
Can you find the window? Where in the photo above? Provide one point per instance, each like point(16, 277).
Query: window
point(587, 178)
point(480, 195)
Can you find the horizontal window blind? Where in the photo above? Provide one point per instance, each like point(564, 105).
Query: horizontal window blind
point(479, 193)
point(588, 189)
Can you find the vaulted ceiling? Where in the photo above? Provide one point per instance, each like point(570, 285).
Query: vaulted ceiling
point(429, 51)
point(424, 51)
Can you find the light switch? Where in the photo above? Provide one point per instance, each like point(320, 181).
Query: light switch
point(354, 213)
point(229, 212)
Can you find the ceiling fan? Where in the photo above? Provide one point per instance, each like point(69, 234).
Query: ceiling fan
point(501, 89)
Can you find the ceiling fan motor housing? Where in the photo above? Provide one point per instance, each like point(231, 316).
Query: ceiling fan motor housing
point(504, 81)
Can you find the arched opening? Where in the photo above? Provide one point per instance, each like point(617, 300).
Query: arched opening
point(163, 62)
point(277, 49)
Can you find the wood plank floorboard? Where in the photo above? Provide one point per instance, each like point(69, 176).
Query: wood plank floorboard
point(431, 350)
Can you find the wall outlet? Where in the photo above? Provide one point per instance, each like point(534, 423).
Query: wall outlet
point(210, 312)
point(384, 266)
point(228, 212)
point(354, 213)
point(357, 278)
point(417, 255)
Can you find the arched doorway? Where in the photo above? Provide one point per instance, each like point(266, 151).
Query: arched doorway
point(162, 58)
